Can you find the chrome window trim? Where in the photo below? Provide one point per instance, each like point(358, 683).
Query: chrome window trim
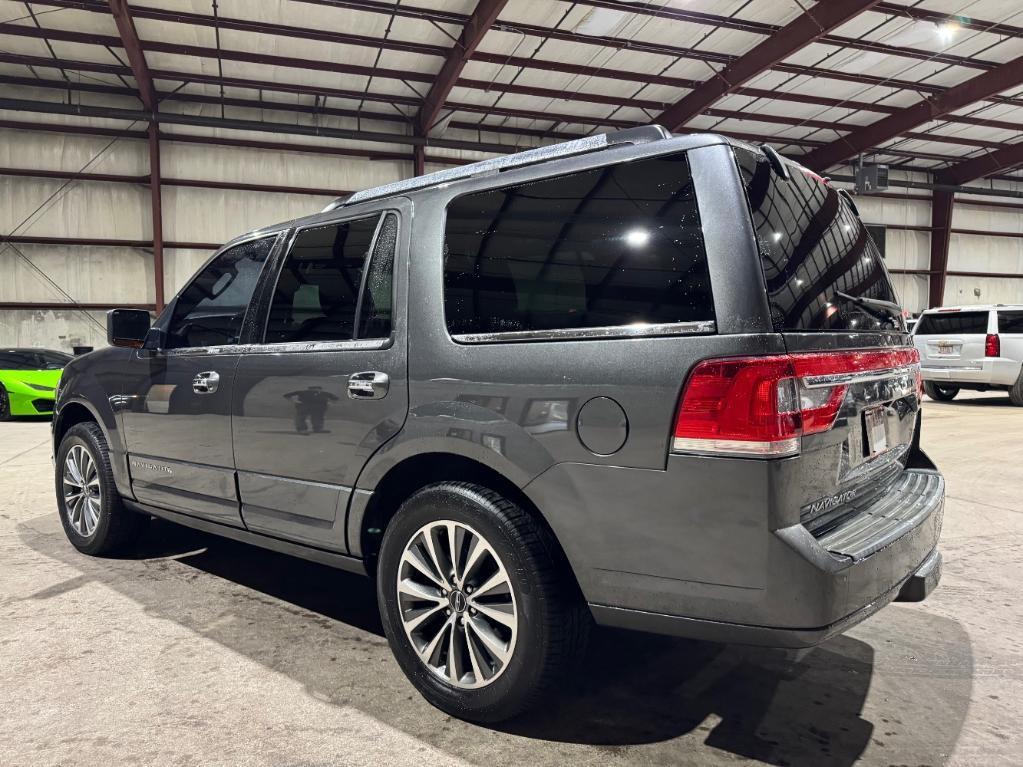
point(836, 379)
point(284, 347)
point(636, 330)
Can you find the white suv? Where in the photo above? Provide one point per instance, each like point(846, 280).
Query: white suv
point(971, 347)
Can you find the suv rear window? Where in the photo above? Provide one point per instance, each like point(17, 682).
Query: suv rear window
point(610, 246)
point(813, 247)
point(952, 323)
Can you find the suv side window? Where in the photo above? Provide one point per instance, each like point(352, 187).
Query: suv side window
point(209, 312)
point(610, 246)
point(1010, 322)
point(325, 284)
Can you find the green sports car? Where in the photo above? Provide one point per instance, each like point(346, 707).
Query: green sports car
point(28, 378)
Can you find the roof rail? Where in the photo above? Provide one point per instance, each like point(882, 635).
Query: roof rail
point(643, 134)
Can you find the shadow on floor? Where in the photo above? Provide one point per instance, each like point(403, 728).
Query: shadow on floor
point(673, 700)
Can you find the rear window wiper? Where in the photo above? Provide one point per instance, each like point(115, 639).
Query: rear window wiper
point(888, 307)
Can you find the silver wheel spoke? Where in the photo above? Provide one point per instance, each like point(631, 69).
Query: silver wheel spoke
point(430, 650)
point(427, 613)
point(431, 549)
point(494, 645)
point(495, 613)
point(455, 670)
point(414, 558)
point(475, 659)
point(469, 644)
point(492, 583)
point(419, 591)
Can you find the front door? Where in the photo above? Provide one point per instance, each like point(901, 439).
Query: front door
point(176, 408)
point(327, 386)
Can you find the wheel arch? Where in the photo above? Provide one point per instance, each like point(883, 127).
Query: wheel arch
point(366, 527)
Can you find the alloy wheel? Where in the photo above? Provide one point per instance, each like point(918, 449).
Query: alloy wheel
point(457, 605)
point(83, 495)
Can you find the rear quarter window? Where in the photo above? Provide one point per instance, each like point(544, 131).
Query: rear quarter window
point(953, 323)
point(1010, 322)
point(607, 247)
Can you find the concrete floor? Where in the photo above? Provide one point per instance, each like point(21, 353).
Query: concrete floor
point(205, 652)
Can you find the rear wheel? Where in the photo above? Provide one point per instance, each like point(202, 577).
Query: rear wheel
point(940, 393)
point(5, 405)
point(1016, 391)
point(94, 518)
point(477, 603)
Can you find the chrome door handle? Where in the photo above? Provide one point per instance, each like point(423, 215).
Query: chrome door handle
point(368, 385)
point(206, 382)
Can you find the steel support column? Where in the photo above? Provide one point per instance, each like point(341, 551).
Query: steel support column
point(941, 234)
point(157, 207)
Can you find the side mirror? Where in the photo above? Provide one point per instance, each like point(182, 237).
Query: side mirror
point(127, 327)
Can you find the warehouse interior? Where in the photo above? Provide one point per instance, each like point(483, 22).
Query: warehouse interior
point(211, 120)
point(137, 137)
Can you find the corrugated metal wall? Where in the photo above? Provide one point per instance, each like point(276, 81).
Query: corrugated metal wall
point(124, 275)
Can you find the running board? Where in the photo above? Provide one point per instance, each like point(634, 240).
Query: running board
point(329, 558)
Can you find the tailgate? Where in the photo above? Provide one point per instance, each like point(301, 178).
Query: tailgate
point(952, 338)
point(866, 450)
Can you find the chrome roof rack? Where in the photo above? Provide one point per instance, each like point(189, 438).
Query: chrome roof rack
point(641, 135)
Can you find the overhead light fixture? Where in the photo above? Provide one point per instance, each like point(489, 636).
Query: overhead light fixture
point(637, 238)
point(948, 31)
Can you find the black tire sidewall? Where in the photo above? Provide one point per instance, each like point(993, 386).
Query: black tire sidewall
point(5, 404)
point(90, 437)
point(504, 695)
point(941, 393)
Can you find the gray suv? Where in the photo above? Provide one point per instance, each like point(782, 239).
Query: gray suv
point(649, 381)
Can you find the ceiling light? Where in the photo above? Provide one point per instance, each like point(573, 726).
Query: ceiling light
point(637, 238)
point(948, 31)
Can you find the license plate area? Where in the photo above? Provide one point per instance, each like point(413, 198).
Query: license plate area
point(875, 430)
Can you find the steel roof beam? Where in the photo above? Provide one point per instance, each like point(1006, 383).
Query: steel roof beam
point(526, 29)
point(979, 88)
point(796, 35)
point(1003, 159)
point(129, 40)
point(473, 31)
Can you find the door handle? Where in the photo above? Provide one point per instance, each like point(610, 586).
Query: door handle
point(368, 385)
point(206, 382)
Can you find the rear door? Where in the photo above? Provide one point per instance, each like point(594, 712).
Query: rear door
point(328, 384)
point(830, 295)
point(953, 339)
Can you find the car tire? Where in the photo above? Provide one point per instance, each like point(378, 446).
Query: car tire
point(940, 393)
point(94, 517)
point(1016, 391)
point(543, 623)
point(5, 405)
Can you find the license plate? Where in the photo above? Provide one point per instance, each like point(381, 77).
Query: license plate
point(876, 428)
point(945, 347)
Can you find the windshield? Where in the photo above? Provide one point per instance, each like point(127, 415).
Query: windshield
point(823, 271)
point(32, 359)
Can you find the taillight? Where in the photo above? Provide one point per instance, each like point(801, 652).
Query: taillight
point(761, 406)
point(992, 345)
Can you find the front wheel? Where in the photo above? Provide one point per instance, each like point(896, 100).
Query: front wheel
point(5, 405)
point(940, 393)
point(1016, 391)
point(477, 602)
point(94, 518)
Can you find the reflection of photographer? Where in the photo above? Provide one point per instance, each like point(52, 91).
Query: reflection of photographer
point(310, 408)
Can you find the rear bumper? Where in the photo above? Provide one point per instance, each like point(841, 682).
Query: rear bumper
point(915, 588)
point(694, 554)
point(995, 371)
